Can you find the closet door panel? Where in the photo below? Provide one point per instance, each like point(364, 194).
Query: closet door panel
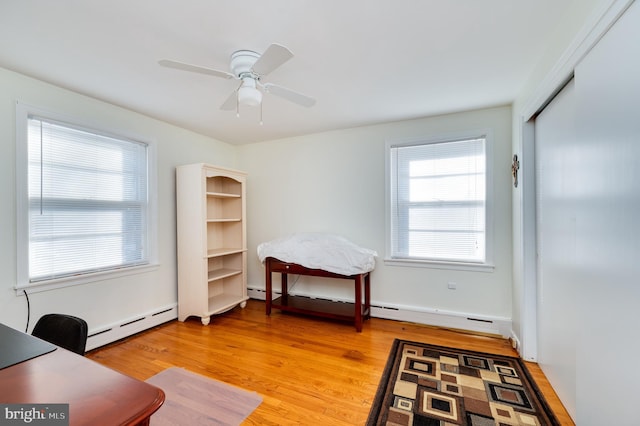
point(557, 288)
point(588, 236)
point(608, 96)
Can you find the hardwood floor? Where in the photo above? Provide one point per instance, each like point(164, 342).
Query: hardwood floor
point(308, 370)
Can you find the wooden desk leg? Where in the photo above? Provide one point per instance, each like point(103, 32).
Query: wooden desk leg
point(358, 302)
point(268, 289)
point(285, 288)
point(367, 295)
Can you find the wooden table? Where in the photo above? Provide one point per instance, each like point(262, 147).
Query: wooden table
point(96, 394)
point(358, 311)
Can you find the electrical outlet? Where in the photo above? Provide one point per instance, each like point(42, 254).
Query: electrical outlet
point(451, 285)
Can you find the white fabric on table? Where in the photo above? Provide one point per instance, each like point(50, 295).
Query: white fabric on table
point(328, 252)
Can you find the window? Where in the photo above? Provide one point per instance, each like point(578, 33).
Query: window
point(85, 202)
point(439, 201)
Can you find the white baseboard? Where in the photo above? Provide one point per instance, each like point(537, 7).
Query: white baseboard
point(113, 332)
point(435, 317)
point(454, 320)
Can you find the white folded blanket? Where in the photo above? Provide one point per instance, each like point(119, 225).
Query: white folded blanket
point(328, 252)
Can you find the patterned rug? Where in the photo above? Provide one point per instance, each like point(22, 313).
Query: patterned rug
point(433, 385)
point(195, 400)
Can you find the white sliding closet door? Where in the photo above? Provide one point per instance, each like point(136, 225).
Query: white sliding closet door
point(556, 145)
point(588, 206)
point(608, 247)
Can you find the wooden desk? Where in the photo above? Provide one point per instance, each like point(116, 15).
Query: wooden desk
point(96, 394)
point(343, 311)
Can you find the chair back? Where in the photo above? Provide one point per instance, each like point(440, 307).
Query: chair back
point(63, 330)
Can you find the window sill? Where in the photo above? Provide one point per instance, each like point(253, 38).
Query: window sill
point(83, 279)
point(459, 266)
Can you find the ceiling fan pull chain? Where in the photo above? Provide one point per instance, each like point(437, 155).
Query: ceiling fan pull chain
point(261, 113)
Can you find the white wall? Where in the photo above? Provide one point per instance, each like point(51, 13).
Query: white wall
point(335, 182)
point(330, 182)
point(110, 301)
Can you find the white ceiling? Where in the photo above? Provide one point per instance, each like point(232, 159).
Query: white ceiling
point(365, 61)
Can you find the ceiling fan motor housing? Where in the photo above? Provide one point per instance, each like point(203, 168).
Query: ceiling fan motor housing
point(242, 61)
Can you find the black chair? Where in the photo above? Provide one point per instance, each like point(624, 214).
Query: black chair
point(63, 330)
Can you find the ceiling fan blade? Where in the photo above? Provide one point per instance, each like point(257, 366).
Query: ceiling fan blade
point(290, 95)
point(231, 103)
point(272, 58)
point(195, 68)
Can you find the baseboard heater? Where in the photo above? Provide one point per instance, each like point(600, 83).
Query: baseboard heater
point(435, 317)
point(130, 326)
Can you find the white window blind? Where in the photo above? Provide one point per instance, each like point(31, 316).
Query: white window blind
point(438, 196)
point(88, 201)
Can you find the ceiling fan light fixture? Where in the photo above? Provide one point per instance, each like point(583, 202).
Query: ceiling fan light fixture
point(250, 96)
point(248, 93)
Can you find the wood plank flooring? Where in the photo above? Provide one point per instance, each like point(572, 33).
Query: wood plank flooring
point(309, 371)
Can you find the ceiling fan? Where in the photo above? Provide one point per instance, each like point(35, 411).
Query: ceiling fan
point(250, 67)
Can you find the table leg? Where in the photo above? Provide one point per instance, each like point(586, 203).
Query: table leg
point(268, 288)
point(358, 302)
point(285, 288)
point(367, 295)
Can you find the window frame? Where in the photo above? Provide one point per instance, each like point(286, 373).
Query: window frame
point(389, 259)
point(23, 283)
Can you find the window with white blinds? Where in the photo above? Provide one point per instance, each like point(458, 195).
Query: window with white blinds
point(87, 201)
point(438, 194)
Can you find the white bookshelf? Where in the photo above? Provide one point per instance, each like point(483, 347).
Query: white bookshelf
point(212, 252)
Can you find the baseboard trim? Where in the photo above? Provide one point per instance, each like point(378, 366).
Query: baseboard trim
point(447, 319)
point(113, 332)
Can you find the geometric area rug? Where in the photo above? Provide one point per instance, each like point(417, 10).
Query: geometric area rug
point(192, 399)
point(434, 385)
